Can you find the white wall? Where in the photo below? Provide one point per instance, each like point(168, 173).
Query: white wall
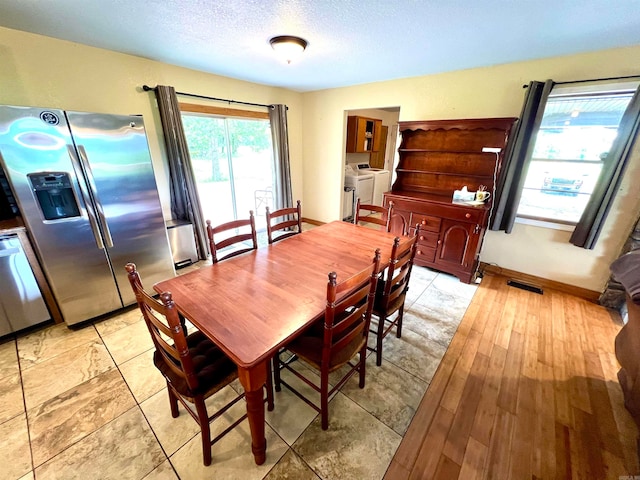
point(484, 92)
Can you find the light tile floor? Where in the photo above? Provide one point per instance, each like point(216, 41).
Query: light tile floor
point(89, 404)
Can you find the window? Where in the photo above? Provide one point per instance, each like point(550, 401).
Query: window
point(232, 160)
point(578, 127)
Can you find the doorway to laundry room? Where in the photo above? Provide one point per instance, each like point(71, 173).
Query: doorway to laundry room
point(370, 156)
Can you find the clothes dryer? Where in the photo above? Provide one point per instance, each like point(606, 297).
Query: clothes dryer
point(381, 181)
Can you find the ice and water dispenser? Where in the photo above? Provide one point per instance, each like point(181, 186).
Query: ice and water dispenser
point(54, 194)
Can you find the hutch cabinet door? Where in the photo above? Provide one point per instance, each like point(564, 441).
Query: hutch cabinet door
point(457, 243)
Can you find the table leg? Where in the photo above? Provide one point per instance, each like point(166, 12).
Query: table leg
point(253, 381)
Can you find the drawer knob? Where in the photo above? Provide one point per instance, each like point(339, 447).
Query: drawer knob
point(424, 222)
point(467, 215)
point(421, 237)
point(419, 252)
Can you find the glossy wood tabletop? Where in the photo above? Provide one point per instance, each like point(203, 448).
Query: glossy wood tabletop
point(252, 304)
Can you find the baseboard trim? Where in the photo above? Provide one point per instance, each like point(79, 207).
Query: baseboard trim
point(312, 221)
point(589, 295)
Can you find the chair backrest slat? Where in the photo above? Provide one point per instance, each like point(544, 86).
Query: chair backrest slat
point(239, 239)
point(398, 284)
point(399, 269)
point(233, 240)
point(290, 222)
point(377, 215)
point(284, 225)
point(347, 328)
point(344, 340)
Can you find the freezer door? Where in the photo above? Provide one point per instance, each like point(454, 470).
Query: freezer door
point(116, 159)
point(35, 140)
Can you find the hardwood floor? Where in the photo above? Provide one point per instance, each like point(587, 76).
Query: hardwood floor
point(527, 390)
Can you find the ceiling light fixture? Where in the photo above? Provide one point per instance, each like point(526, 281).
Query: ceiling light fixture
point(288, 47)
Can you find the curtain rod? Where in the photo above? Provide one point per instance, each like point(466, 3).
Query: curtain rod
point(593, 80)
point(147, 88)
point(599, 79)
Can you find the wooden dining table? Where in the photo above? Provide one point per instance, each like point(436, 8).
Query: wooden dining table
point(253, 304)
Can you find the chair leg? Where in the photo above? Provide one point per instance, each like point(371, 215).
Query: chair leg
point(276, 371)
point(399, 324)
point(269, 387)
point(382, 320)
point(363, 365)
point(173, 402)
point(324, 399)
point(205, 430)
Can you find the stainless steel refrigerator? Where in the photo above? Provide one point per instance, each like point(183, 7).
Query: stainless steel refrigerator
point(85, 187)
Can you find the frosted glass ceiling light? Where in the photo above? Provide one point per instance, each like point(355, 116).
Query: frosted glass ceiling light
point(288, 47)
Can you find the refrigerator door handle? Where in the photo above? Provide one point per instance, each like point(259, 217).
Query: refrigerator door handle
point(93, 222)
point(94, 193)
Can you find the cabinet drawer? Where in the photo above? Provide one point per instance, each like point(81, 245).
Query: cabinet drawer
point(470, 215)
point(427, 222)
point(426, 254)
point(426, 239)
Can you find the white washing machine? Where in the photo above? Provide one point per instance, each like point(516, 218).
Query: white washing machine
point(381, 180)
point(361, 183)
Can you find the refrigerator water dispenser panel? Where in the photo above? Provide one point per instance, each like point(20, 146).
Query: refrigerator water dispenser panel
point(54, 194)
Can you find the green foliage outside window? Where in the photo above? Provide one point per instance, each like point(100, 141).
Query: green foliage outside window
point(208, 145)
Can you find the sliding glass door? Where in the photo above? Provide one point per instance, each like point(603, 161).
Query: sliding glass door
point(233, 162)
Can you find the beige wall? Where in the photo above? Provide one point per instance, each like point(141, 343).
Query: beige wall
point(45, 72)
point(41, 71)
point(484, 92)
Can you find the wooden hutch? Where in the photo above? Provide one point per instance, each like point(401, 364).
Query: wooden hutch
point(438, 157)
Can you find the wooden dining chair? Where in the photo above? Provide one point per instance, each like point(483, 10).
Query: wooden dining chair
point(193, 366)
point(288, 221)
point(237, 240)
point(392, 290)
point(335, 340)
point(369, 213)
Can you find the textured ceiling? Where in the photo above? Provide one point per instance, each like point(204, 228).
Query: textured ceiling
point(350, 41)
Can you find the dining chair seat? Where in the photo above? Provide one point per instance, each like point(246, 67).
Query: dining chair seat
point(211, 366)
point(309, 348)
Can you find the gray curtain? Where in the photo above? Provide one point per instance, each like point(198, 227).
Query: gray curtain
point(185, 203)
point(595, 213)
point(518, 155)
point(278, 117)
